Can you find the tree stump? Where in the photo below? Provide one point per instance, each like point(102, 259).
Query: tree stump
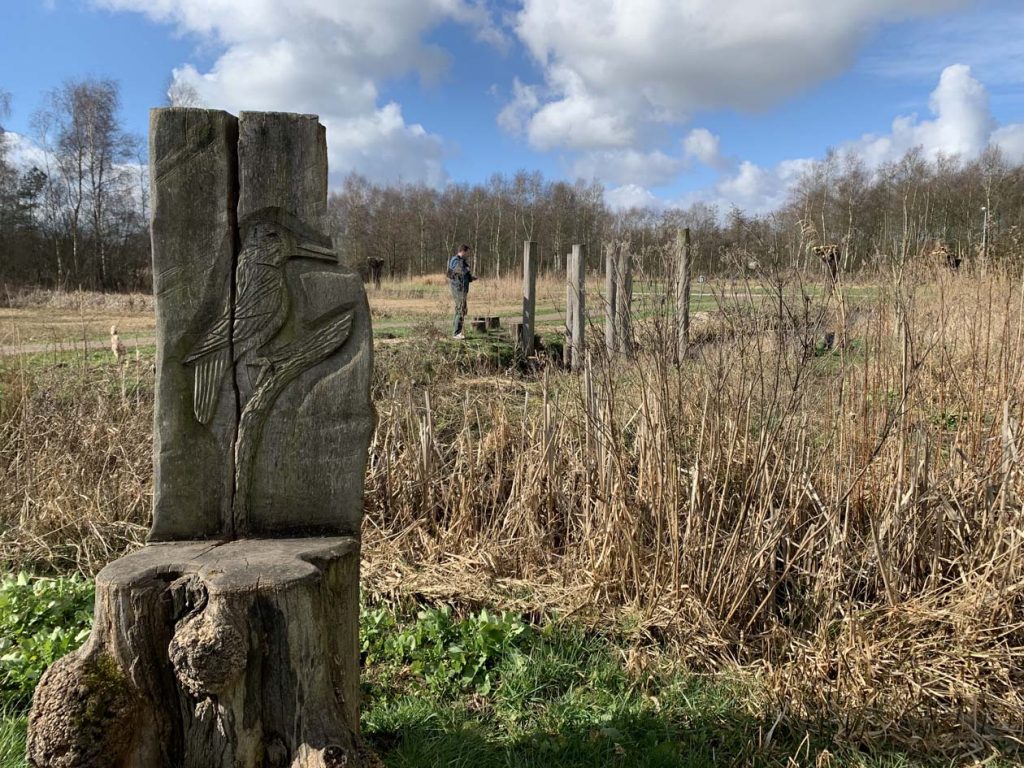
point(212, 655)
point(494, 322)
point(480, 324)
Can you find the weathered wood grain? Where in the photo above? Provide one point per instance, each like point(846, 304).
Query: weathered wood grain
point(193, 181)
point(307, 475)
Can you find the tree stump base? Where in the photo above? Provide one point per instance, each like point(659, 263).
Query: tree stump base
point(242, 654)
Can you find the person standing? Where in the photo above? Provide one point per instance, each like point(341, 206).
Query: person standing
point(459, 278)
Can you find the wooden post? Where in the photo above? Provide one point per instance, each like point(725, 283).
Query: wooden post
point(610, 263)
point(569, 310)
point(570, 307)
point(683, 269)
point(529, 296)
point(575, 311)
point(624, 302)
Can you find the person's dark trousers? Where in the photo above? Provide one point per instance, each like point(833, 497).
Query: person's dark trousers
point(459, 299)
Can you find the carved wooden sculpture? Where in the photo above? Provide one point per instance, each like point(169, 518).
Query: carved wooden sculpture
point(231, 640)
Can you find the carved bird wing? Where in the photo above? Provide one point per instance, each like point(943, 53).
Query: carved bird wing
point(258, 308)
point(211, 357)
point(317, 344)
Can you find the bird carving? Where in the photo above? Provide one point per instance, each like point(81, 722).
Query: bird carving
point(270, 238)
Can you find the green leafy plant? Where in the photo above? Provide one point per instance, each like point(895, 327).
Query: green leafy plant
point(449, 654)
point(41, 620)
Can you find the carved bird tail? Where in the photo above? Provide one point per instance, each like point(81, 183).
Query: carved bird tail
point(209, 371)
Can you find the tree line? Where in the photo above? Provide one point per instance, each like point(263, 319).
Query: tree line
point(910, 208)
point(76, 215)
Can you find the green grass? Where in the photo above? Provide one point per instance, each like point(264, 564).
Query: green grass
point(67, 357)
point(559, 696)
point(12, 739)
point(480, 689)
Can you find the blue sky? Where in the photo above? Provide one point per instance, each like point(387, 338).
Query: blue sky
point(666, 102)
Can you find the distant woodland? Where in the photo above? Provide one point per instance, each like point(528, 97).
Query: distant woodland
point(76, 214)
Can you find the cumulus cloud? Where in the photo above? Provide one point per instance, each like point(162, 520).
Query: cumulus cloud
point(579, 120)
point(758, 190)
point(23, 152)
point(615, 69)
point(628, 166)
point(326, 57)
point(524, 102)
point(962, 123)
point(702, 145)
point(631, 196)
point(1010, 139)
point(622, 167)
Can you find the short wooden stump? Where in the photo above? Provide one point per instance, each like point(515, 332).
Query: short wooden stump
point(242, 654)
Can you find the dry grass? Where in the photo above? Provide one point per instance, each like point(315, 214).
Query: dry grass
point(844, 524)
point(75, 461)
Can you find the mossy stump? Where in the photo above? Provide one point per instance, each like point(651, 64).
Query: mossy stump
point(212, 655)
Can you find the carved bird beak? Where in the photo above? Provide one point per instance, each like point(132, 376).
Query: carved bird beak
point(313, 251)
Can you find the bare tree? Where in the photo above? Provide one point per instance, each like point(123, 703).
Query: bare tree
point(79, 125)
point(7, 173)
point(181, 93)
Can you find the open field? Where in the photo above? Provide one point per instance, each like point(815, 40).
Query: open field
point(72, 322)
point(837, 531)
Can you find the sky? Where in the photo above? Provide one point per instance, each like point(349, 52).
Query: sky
point(664, 102)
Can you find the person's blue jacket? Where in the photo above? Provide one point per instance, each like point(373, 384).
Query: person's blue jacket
point(458, 271)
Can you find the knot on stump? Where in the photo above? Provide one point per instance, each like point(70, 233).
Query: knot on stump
point(335, 757)
point(207, 651)
point(84, 714)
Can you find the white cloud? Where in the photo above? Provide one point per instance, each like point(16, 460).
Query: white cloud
point(627, 166)
point(962, 123)
point(615, 70)
point(326, 57)
point(631, 196)
point(622, 167)
point(702, 145)
point(1010, 139)
point(514, 115)
point(749, 183)
point(22, 152)
point(755, 189)
point(578, 120)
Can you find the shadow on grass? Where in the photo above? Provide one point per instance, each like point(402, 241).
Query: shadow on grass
point(645, 740)
point(635, 740)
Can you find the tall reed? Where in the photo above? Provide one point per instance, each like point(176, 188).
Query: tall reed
point(844, 520)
